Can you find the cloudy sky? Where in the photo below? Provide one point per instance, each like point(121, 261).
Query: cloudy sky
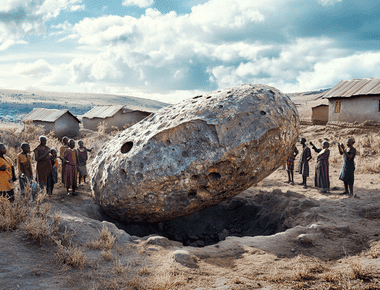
point(169, 50)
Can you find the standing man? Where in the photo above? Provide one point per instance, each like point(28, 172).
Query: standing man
point(42, 156)
point(7, 175)
point(303, 167)
point(82, 160)
point(71, 167)
point(348, 168)
point(24, 166)
point(62, 151)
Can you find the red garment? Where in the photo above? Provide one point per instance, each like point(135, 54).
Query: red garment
point(44, 165)
point(71, 168)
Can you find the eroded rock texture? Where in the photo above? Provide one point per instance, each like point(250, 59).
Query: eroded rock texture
point(195, 154)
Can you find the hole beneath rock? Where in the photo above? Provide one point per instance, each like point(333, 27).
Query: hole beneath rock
point(248, 214)
point(263, 113)
point(126, 147)
point(214, 176)
point(192, 194)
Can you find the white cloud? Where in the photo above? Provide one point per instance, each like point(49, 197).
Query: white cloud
point(37, 69)
point(61, 28)
point(139, 3)
point(165, 50)
point(328, 73)
point(225, 14)
point(19, 18)
point(77, 7)
point(328, 2)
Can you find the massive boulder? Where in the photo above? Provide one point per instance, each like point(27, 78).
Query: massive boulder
point(194, 154)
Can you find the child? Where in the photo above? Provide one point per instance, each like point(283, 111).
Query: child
point(290, 165)
point(7, 175)
point(24, 166)
point(304, 162)
point(82, 160)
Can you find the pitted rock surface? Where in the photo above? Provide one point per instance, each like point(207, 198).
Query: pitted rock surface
point(194, 154)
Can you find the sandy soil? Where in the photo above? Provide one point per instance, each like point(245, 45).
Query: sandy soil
point(331, 241)
point(340, 229)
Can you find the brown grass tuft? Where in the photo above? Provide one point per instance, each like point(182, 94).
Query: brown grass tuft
point(361, 272)
point(70, 255)
point(107, 255)
point(105, 242)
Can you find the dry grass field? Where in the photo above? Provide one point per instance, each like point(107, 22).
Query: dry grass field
point(61, 242)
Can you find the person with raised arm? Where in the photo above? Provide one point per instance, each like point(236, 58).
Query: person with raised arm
point(322, 178)
point(348, 168)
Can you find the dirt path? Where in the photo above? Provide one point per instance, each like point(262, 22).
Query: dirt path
point(330, 241)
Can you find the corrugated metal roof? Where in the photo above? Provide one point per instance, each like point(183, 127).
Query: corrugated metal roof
point(103, 111)
point(356, 87)
point(47, 115)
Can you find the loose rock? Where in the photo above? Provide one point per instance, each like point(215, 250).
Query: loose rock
point(194, 154)
point(184, 258)
point(305, 239)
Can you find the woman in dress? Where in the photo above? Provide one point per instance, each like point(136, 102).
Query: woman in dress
point(322, 179)
point(42, 156)
point(348, 168)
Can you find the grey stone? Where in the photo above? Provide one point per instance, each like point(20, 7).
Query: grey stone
point(223, 235)
point(194, 154)
point(200, 243)
point(184, 258)
point(161, 241)
point(305, 239)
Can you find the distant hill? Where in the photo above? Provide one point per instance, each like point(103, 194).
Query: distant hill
point(16, 103)
point(306, 100)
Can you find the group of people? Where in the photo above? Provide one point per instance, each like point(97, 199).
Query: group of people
point(73, 163)
point(322, 179)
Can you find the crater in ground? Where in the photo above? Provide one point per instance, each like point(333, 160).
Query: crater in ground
point(251, 213)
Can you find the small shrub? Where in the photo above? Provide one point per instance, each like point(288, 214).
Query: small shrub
point(70, 255)
point(107, 255)
point(362, 272)
point(119, 269)
point(12, 214)
point(106, 240)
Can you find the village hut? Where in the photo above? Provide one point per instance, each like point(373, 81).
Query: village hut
point(113, 116)
point(320, 114)
point(356, 100)
point(61, 122)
